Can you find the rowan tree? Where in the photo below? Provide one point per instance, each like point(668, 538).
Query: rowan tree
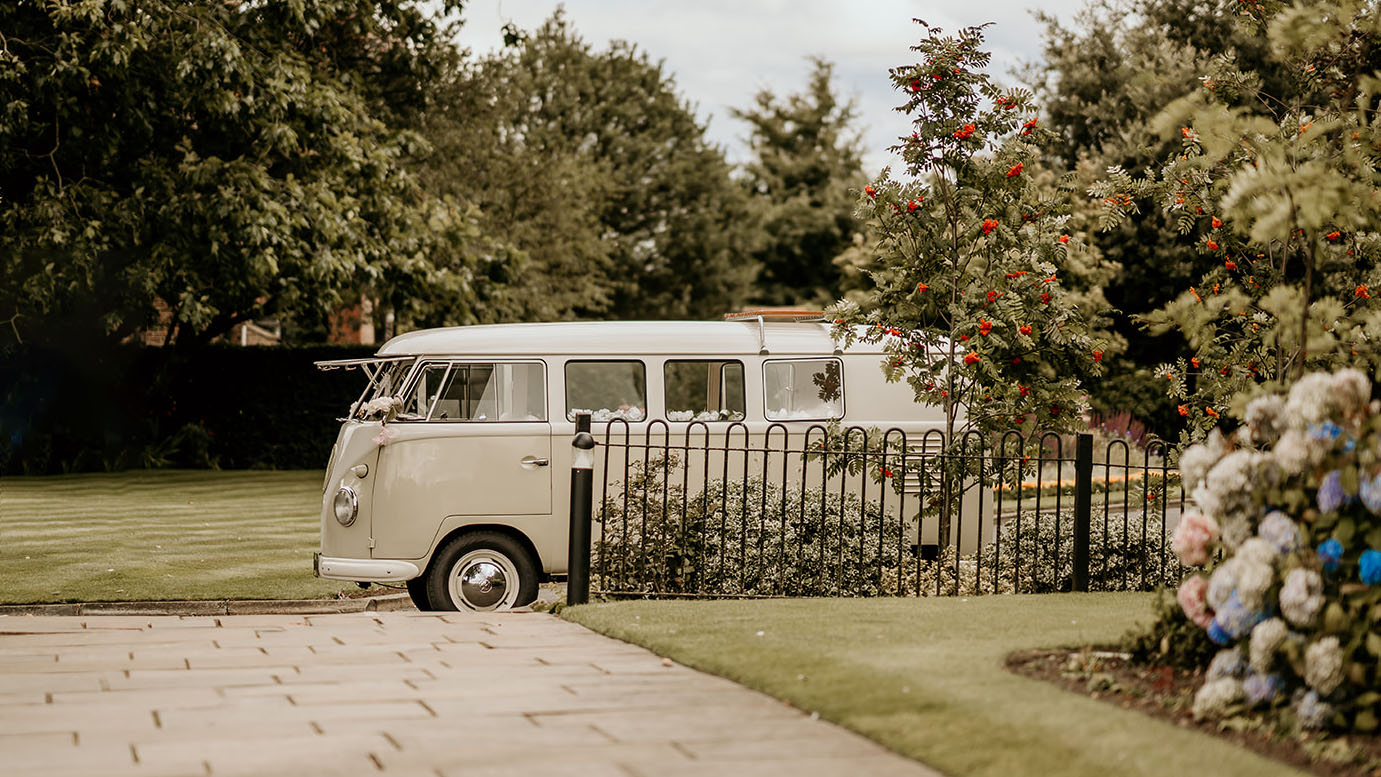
point(971, 297)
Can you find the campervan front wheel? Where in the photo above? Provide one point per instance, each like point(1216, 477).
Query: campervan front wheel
point(481, 571)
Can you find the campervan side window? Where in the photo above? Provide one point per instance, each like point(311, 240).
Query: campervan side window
point(803, 389)
point(606, 390)
point(704, 390)
point(478, 392)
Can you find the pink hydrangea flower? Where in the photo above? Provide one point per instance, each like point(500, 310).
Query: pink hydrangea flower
point(1191, 596)
point(1194, 535)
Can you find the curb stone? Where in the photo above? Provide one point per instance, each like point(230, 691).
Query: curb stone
point(386, 603)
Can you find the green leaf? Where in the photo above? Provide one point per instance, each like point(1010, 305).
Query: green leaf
point(1344, 530)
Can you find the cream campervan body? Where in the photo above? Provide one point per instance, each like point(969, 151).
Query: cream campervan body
point(463, 494)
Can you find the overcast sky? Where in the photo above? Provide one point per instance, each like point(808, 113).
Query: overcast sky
point(722, 52)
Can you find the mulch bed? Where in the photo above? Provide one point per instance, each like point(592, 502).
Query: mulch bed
point(1168, 694)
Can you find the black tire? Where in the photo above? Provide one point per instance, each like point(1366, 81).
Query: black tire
point(489, 561)
point(417, 592)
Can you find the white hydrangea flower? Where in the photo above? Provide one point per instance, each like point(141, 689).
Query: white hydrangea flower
point(1295, 452)
point(1280, 530)
point(1264, 418)
point(1236, 529)
point(1208, 501)
point(1323, 665)
point(1258, 551)
point(1301, 597)
point(1266, 639)
point(1351, 391)
point(1253, 579)
point(1226, 493)
point(1227, 663)
point(1311, 400)
point(1222, 583)
point(1214, 698)
point(1197, 460)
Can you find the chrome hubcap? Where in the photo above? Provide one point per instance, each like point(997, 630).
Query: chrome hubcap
point(483, 580)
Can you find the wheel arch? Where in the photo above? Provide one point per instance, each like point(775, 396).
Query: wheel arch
point(498, 528)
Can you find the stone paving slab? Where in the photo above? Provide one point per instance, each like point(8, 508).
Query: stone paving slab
point(401, 693)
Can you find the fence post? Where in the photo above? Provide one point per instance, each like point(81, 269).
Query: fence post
point(1083, 508)
point(582, 496)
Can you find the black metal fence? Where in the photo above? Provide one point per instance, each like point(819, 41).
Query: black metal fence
point(733, 511)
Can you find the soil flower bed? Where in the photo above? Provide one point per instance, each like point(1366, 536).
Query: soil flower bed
point(1168, 693)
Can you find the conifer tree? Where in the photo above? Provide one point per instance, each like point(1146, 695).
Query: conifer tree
point(806, 159)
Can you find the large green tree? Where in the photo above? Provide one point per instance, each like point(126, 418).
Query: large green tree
point(231, 160)
point(1277, 191)
point(1100, 82)
point(595, 176)
point(806, 160)
point(1103, 81)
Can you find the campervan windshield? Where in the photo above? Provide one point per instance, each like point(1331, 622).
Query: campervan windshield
point(385, 380)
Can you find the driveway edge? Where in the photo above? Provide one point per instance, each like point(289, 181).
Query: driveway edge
point(386, 603)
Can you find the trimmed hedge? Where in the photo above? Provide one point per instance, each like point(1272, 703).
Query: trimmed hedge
point(136, 407)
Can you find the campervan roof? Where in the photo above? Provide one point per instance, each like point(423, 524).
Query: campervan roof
point(689, 338)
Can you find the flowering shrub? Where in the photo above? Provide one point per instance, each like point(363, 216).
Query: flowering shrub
point(744, 537)
point(1291, 504)
point(1127, 552)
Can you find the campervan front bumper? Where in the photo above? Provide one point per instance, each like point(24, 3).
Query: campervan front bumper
point(362, 570)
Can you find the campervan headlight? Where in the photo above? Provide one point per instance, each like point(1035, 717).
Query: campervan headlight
point(347, 506)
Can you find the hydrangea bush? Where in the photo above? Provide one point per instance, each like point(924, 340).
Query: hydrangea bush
point(747, 537)
point(1285, 542)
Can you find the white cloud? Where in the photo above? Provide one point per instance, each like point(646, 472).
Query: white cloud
point(722, 52)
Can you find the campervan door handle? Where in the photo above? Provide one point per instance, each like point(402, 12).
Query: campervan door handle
point(529, 462)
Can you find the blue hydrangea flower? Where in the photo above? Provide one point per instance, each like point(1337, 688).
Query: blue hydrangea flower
point(1234, 620)
point(1371, 566)
point(1311, 711)
point(1278, 529)
point(1330, 553)
point(1331, 494)
point(1261, 688)
point(1325, 431)
point(1370, 492)
point(1216, 634)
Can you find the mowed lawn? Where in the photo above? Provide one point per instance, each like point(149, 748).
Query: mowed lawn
point(161, 534)
point(925, 677)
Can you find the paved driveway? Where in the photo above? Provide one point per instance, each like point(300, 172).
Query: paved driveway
point(405, 693)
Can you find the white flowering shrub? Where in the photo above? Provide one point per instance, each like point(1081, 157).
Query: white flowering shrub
point(745, 537)
point(1127, 552)
point(1284, 546)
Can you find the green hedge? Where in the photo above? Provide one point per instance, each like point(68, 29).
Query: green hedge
point(135, 407)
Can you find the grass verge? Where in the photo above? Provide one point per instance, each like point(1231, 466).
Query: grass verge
point(925, 677)
point(161, 534)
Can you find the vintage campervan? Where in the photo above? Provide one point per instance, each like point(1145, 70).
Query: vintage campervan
point(451, 473)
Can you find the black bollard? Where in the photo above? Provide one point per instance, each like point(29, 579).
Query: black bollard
point(582, 496)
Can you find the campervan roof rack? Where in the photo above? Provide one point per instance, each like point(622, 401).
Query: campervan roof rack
point(776, 314)
point(763, 315)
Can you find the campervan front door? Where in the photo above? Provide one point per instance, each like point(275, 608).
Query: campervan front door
point(473, 440)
